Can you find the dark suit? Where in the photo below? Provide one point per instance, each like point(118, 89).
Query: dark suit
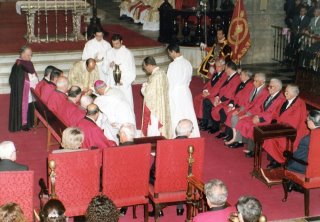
point(302, 154)
point(9, 165)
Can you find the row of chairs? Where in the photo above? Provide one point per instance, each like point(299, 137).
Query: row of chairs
point(75, 177)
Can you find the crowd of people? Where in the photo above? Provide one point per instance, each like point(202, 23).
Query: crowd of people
point(99, 113)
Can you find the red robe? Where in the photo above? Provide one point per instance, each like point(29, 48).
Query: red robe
point(252, 107)
point(57, 102)
point(295, 116)
point(40, 86)
point(46, 92)
point(213, 90)
point(93, 135)
point(266, 115)
point(226, 93)
point(240, 98)
point(71, 114)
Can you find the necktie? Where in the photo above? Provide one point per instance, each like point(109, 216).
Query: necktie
point(266, 104)
point(240, 87)
point(215, 79)
point(284, 106)
point(253, 95)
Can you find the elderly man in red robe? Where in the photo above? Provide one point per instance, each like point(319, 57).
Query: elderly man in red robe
point(58, 98)
point(48, 89)
point(255, 100)
point(293, 112)
point(71, 114)
point(93, 134)
point(225, 94)
point(211, 88)
point(268, 111)
point(240, 99)
point(22, 77)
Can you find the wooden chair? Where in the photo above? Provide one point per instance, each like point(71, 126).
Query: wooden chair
point(311, 179)
point(173, 164)
point(125, 175)
point(18, 187)
point(54, 125)
point(74, 178)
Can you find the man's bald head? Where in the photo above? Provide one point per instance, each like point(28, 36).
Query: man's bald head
point(93, 111)
point(90, 64)
point(62, 84)
point(85, 101)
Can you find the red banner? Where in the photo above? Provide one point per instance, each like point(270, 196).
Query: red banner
point(238, 35)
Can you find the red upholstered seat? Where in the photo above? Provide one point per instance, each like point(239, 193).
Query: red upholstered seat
point(17, 187)
point(311, 179)
point(125, 175)
point(77, 179)
point(172, 170)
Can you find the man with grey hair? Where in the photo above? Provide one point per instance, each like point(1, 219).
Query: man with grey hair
point(294, 113)
point(252, 105)
point(58, 97)
point(8, 156)
point(264, 116)
point(184, 128)
point(249, 209)
point(127, 133)
point(216, 193)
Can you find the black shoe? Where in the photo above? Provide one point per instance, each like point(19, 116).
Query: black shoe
point(25, 128)
point(273, 164)
point(180, 212)
point(250, 154)
point(123, 211)
point(152, 213)
point(213, 130)
point(227, 139)
point(236, 145)
point(221, 135)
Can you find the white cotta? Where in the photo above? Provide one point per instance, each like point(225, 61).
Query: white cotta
point(97, 50)
point(124, 58)
point(116, 108)
point(109, 131)
point(180, 97)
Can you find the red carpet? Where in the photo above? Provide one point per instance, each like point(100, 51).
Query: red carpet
point(229, 165)
point(13, 29)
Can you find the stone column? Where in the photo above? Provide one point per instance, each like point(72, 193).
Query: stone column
point(260, 21)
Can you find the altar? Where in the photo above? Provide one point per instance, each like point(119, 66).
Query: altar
point(66, 15)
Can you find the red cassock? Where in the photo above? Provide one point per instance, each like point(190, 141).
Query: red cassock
point(252, 107)
point(71, 114)
point(93, 135)
point(295, 115)
point(226, 93)
point(240, 98)
point(266, 115)
point(213, 90)
point(46, 92)
point(216, 215)
point(40, 86)
point(57, 102)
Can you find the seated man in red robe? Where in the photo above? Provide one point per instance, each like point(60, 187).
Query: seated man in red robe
point(93, 134)
point(48, 89)
point(268, 112)
point(45, 80)
point(216, 194)
point(58, 98)
point(240, 99)
point(218, 77)
point(255, 100)
point(293, 112)
point(72, 113)
point(225, 94)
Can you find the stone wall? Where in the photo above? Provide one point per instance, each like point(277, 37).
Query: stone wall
point(261, 33)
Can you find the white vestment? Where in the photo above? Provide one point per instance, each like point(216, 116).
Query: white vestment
point(125, 59)
point(108, 130)
point(97, 50)
point(116, 108)
point(180, 97)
